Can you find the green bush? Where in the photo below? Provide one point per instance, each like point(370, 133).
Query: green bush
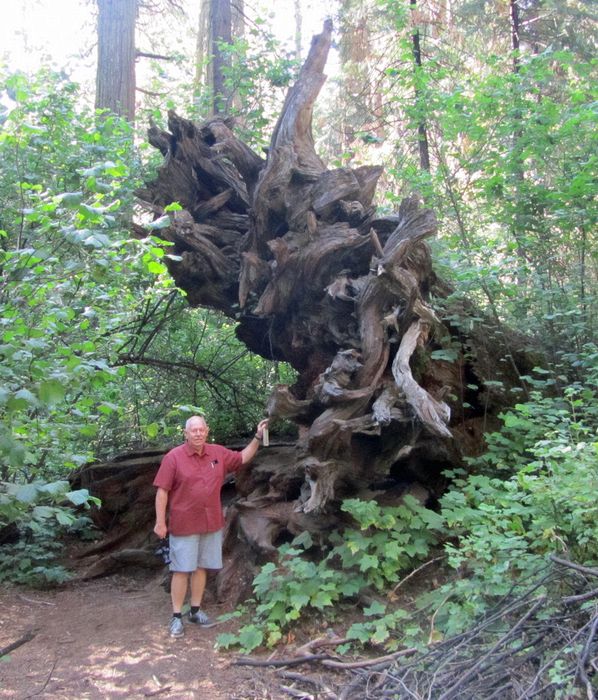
point(388, 540)
point(503, 529)
point(38, 515)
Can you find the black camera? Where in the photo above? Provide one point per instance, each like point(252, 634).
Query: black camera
point(163, 550)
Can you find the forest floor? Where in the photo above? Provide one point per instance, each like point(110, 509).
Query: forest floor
point(108, 638)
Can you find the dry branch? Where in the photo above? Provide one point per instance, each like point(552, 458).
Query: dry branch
point(27, 637)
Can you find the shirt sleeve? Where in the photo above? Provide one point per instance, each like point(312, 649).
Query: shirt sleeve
point(232, 460)
point(165, 476)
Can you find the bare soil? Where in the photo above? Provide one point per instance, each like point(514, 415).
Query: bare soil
point(108, 638)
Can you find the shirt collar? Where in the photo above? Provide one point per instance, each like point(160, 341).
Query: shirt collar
point(190, 451)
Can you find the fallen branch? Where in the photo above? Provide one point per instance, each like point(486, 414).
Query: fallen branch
point(300, 678)
point(581, 597)
point(281, 662)
point(415, 571)
point(584, 659)
point(309, 647)
point(45, 685)
point(297, 693)
point(365, 663)
point(505, 638)
point(576, 567)
point(159, 691)
point(27, 637)
point(32, 600)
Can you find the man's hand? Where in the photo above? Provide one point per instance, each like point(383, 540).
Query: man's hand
point(259, 433)
point(161, 531)
point(248, 452)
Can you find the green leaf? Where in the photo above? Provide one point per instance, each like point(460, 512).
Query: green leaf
point(71, 199)
point(26, 493)
point(250, 637)
point(64, 517)
point(78, 497)
point(226, 640)
point(321, 600)
point(152, 430)
point(51, 392)
point(376, 608)
point(448, 355)
point(304, 539)
point(54, 488)
point(162, 222)
point(22, 399)
point(368, 561)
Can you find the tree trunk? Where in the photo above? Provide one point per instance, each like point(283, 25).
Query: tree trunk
point(220, 34)
point(115, 76)
point(396, 380)
point(422, 132)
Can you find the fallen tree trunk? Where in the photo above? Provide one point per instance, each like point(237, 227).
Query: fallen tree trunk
point(396, 380)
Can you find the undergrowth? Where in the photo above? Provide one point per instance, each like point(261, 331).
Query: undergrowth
point(35, 518)
point(532, 494)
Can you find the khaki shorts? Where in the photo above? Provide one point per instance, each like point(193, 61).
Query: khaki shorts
point(190, 552)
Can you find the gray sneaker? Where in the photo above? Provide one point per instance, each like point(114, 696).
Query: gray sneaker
point(201, 619)
point(176, 627)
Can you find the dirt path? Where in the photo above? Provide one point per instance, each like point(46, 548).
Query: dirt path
point(109, 639)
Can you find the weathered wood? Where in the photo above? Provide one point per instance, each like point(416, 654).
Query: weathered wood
point(296, 253)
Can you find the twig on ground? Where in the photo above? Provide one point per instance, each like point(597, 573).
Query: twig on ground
point(296, 693)
point(36, 602)
point(365, 663)
point(153, 693)
point(300, 678)
point(27, 637)
point(577, 567)
point(510, 634)
point(45, 685)
point(350, 687)
point(415, 571)
point(581, 597)
point(281, 662)
point(312, 645)
point(584, 658)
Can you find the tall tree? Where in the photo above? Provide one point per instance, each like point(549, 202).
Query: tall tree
point(422, 132)
point(115, 76)
point(220, 35)
point(220, 21)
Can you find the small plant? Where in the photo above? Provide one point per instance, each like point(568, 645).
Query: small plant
point(505, 527)
point(387, 540)
point(39, 515)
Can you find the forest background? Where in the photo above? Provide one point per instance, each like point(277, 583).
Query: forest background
point(486, 109)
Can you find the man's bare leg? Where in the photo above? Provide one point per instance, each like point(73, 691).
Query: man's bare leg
point(178, 589)
point(198, 586)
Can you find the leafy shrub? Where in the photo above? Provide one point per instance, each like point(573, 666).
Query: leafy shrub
point(500, 530)
point(39, 514)
point(386, 541)
point(504, 528)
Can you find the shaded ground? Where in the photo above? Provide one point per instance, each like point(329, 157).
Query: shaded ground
point(108, 639)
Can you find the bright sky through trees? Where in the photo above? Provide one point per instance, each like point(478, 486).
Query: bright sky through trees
point(62, 32)
point(36, 31)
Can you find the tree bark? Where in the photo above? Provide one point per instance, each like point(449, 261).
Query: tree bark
point(115, 76)
point(422, 132)
point(397, 380)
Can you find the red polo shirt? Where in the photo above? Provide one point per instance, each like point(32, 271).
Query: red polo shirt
point(193, 483)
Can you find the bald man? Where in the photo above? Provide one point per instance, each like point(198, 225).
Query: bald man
point(188, 490)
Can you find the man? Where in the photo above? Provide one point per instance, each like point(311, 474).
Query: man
point(188, 483)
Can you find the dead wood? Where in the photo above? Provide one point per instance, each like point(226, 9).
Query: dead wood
point(397, 380)
point(326, 641)
point(508, 652)
point(27, 637)
point(279, 663)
